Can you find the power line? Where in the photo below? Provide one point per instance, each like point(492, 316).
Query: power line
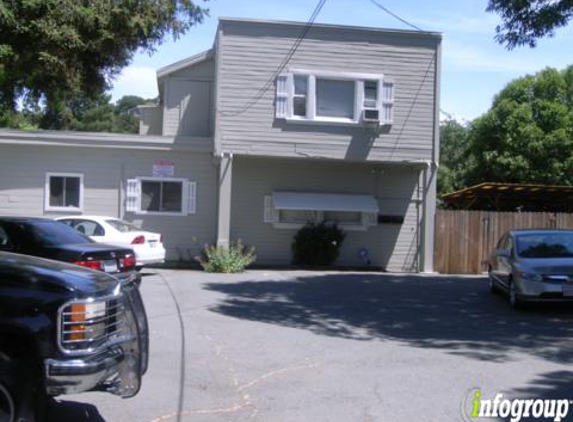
point(394, 15)
point(270, 82)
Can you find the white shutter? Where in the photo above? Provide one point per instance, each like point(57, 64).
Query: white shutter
point(387, 111)
point(271, 215)
point(132, 195)
point(369, 219)
point(191, 197)
point(282, 96)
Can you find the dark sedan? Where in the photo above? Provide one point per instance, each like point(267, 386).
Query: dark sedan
point(533, 265)
point(47, 238)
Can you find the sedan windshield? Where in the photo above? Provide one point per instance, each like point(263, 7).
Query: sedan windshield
point(53, 233)
point(122, 226)
point(550, 245)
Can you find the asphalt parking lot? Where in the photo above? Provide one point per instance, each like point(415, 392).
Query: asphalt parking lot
point(301, 346)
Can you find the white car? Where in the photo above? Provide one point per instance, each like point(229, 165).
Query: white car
point(148, 246)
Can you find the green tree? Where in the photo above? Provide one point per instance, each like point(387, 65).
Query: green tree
point(525, 21)
point(129, 102)
point(453, 156)
point(52, 49)
point(527, 135)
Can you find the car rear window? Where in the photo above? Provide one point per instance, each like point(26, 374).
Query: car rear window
point(550, 245)
point(54, 233)
point(122, 226)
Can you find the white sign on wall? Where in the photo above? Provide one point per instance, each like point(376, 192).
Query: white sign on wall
point(163, 168)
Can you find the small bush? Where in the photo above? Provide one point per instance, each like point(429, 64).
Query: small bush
point(317, 244)
point(233, 259)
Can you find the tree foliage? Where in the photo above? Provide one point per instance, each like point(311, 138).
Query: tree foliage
point(52, 49)
point(525, 21)
point(527, 135)
point(83, 114)
point(453, 156)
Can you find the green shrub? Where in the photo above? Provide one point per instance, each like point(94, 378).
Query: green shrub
point(233, 259)
point(317, 244)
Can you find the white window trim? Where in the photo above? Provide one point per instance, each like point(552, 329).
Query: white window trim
point(48, 207)
point(311, 117)
point(184, 193)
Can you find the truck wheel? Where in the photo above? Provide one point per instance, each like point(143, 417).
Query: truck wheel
point(21, 398)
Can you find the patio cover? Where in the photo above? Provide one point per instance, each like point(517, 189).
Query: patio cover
point(309, 201)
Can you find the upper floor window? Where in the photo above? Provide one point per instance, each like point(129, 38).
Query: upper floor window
point(64, 192)
point(332, 97)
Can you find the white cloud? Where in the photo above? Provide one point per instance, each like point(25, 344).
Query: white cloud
point(135, 80)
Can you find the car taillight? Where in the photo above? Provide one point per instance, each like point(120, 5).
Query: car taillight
point(92, 265)
point(127, 262)
point(161, 239)
point(139, 240)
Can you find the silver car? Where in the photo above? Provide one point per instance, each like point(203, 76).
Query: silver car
point(533, 266)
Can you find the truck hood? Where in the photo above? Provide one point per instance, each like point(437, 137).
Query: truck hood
point(45, 273)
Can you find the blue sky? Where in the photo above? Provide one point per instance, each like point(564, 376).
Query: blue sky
point(474, 66)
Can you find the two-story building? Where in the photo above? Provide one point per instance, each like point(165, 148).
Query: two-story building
point(257, 136)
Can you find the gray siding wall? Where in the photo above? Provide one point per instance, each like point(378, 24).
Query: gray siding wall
point(150, 120)
point(250, 54)
point(392, 246)
point(188, 101)
point(23, 171)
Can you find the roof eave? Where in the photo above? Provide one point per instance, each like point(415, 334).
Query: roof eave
point(182, 64)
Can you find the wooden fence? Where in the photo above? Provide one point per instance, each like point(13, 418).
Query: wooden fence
point(464, 239)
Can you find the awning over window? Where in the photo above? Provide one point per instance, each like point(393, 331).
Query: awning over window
point(309, 201)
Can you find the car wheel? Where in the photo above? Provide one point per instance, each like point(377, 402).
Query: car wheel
point(514, 301)
point(21, 397)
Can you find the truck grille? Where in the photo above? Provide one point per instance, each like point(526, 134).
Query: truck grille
point(87, 326)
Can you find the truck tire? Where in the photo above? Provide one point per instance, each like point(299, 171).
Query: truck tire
point(21, 397)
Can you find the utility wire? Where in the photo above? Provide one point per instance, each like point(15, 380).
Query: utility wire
point(270, 82)
point(394, 15)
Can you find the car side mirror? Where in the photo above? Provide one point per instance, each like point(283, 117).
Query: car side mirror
point(504, 253)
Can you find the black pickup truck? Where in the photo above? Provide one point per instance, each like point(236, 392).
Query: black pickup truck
point(65, 329)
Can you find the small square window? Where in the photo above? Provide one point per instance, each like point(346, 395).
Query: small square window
point(160, 196)
point(63, 191)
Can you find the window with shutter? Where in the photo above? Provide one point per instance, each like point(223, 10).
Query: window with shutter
point(161, 196)
point(308, 96)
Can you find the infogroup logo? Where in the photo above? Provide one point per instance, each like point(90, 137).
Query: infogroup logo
point(475, 407)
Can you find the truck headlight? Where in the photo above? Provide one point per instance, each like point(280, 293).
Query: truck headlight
point(87, 325)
